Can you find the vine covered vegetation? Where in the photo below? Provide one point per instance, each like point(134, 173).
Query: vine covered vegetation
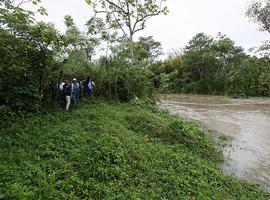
point(113, 151)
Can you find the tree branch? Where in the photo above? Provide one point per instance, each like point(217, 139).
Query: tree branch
point(115, 5)
point(129, 21)
point(139, 29)
point(115, 18)
point(104, 11)
point(120, 26)
point(144, 18)
point(23, 2)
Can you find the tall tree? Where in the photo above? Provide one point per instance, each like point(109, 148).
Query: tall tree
point(130, 16)
point(259, 12)
point(78, 41)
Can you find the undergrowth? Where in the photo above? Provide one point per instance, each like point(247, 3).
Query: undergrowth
point(113, 151)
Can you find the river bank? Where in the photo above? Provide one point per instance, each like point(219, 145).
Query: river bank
point(107, 150)
point(245, 121)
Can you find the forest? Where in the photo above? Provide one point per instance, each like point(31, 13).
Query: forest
point(42, 157)
point(35, 56)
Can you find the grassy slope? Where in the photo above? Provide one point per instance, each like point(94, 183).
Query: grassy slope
point(113, 151)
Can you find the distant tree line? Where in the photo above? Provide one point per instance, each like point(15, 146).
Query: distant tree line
point(210, 65)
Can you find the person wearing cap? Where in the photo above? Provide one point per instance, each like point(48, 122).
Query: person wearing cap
point(75, 91)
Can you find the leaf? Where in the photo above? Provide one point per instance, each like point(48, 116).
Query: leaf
point(2, 196)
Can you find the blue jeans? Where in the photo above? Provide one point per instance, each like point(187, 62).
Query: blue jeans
point(75, 98)
point(89, 92)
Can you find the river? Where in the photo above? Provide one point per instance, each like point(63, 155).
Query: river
point(245, 121)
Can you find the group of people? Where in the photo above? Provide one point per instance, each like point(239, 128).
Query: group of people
point(74, 90)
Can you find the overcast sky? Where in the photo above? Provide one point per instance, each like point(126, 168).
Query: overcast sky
point(185, 19)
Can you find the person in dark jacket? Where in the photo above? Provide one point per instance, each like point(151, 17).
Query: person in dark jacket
point(67, 88)
point(88, 87)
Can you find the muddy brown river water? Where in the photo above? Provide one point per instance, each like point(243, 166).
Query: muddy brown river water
point(246, 121)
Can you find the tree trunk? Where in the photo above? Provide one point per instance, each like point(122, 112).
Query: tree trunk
point(132, 48)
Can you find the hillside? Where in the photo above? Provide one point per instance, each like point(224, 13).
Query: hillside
point(107, 150)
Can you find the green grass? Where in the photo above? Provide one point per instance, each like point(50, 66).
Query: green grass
point(113, 151)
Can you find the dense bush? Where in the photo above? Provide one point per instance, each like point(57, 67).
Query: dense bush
point(26, 58)
point(117, 79)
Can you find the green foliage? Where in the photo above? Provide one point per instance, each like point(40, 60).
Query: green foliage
point(78, 42)
point(76, 65)
point(113, 151)
point(214, 66)
point(26, 58)
point(258, 12)
point(129, 16)
point(252, 78)
point(118, 80)
point(34, 54)
point(175, 63)
point(145, 51)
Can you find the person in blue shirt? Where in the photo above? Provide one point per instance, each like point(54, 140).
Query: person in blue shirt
point(75, 91)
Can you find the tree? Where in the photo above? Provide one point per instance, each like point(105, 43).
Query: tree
point(200, 42)
point(17, 4)
point(146, 50)
point(259, 12)
point(78, 49)
point(175, 62)
point(227, 53)
point(101, 31)
point(129, 16)
point(205, 65)
point(78, 42)
point(26, 57)
point(198, 59)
